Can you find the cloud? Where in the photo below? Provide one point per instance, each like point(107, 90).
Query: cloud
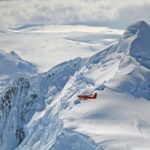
point(16, 13)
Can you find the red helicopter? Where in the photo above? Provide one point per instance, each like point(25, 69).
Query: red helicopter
point(86, 97)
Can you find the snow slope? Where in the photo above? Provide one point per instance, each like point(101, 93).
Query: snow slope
point(43, 112)
point(29, 94)
point(11, 64)
point(119, 118)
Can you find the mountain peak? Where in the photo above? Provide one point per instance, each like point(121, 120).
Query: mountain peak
point(11, 64)
point(137, 27)
point(139, 44)
point(139, 24)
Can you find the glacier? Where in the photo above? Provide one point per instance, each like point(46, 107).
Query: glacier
point(41, 110)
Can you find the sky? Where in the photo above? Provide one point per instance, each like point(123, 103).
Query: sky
point(112, 13)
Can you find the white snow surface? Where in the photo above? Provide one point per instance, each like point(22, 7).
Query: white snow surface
point(42, 112)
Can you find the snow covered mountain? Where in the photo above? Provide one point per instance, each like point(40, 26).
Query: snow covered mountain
point(11, 64)
point(43, 112)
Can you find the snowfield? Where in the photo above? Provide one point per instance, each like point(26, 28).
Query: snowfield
point(42, 112)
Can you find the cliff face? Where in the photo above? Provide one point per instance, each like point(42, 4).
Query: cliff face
point(26, 95)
